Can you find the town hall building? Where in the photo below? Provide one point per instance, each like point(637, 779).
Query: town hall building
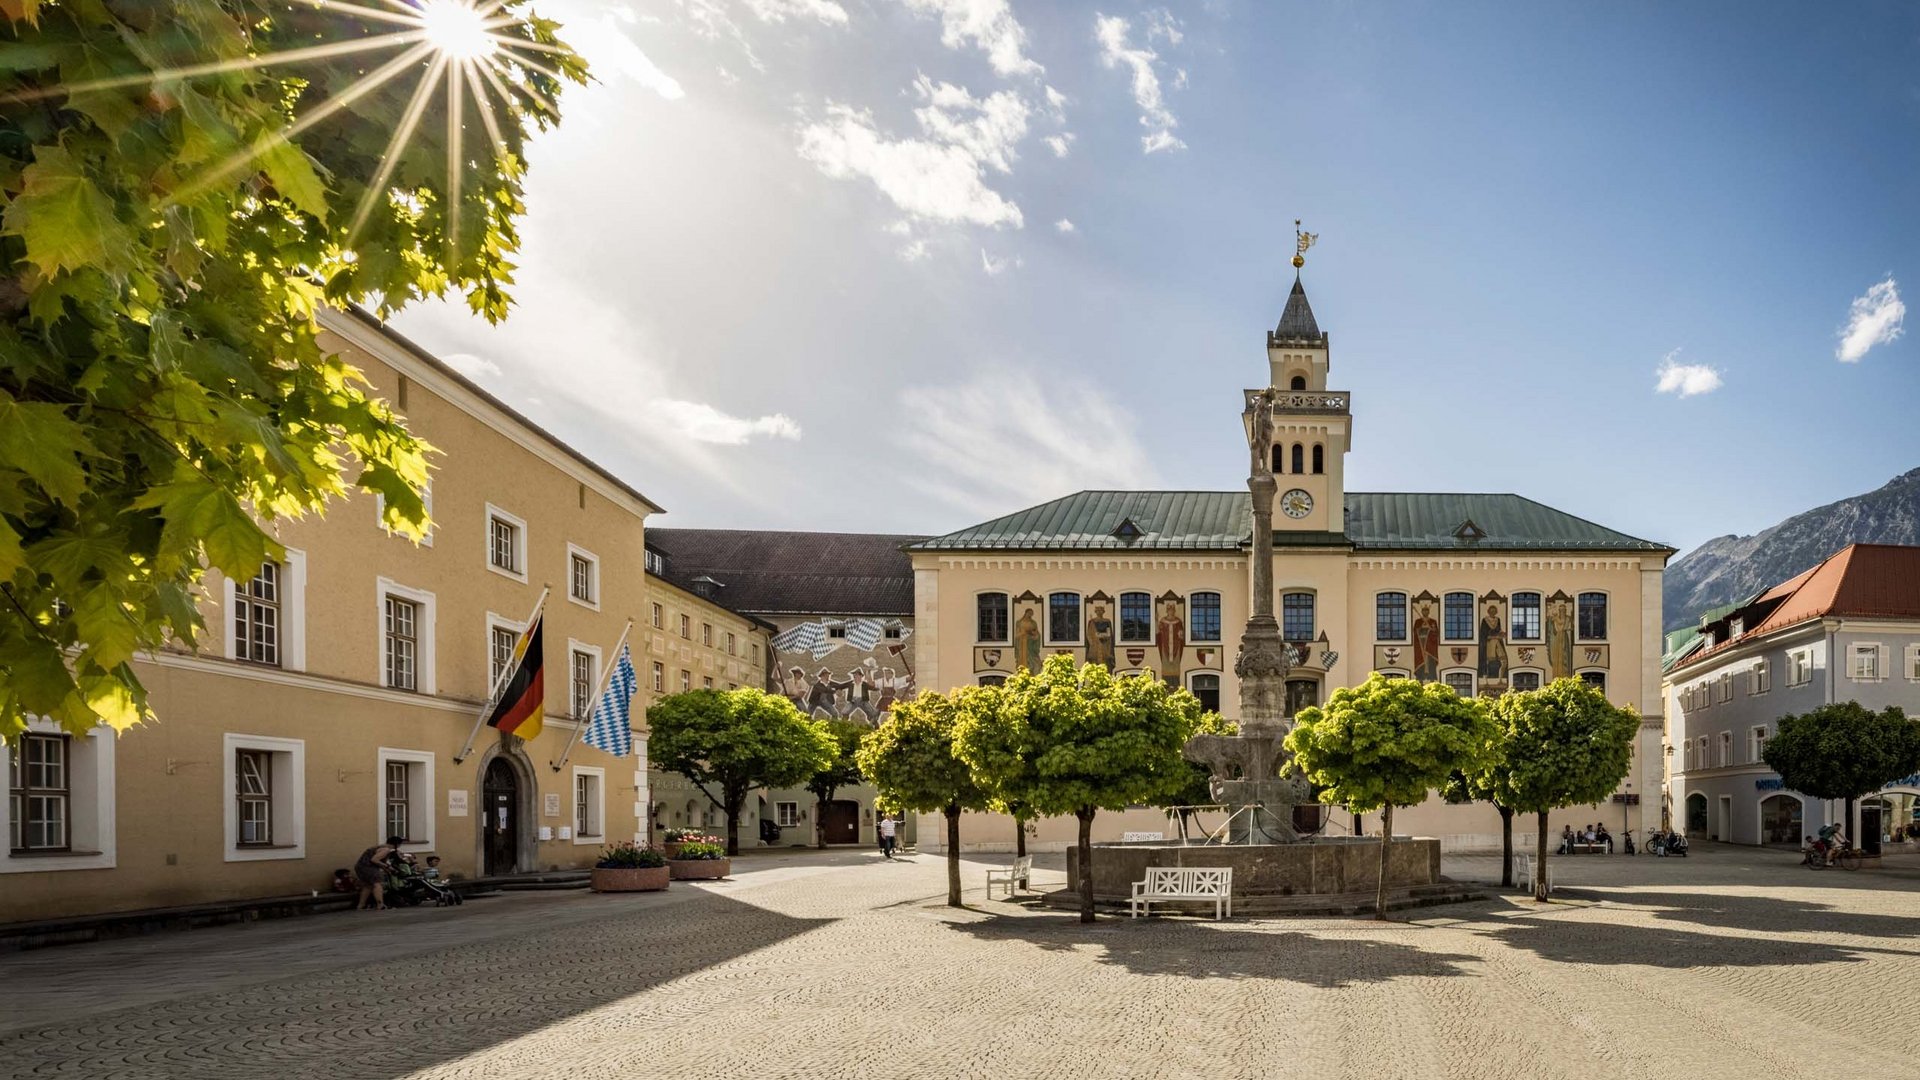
point(1484, 592)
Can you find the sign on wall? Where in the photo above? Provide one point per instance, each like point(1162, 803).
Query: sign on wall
point(550, 804)
point(456, 803)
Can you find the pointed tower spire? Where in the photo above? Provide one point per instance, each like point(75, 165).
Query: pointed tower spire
point(1297, 325)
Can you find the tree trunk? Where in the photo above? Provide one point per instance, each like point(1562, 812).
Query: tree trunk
point(1085, 814)
point(953, 854)
point(1019, 836)
point(735, 801)
point(1540, 862)
point(1357, 823)
point(1846, 822)
point(1506, 847)
point(820, 821)
point(1386, 838)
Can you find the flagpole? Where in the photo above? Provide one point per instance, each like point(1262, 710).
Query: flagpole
point(606, 676)
point(499, 683)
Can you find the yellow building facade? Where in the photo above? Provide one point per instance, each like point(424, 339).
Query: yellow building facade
point(1485, 592)
point(332, 697)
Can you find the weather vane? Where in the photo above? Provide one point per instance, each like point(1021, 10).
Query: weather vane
point(1301, 242)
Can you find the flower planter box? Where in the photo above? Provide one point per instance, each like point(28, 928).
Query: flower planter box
point(631, 879)
point(700, 869)
point(671, 848)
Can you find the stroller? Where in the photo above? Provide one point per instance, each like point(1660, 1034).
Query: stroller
point(406, 886)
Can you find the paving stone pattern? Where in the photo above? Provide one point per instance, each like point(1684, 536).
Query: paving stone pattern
point(1731, 964)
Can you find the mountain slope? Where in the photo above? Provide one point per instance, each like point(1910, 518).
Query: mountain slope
point(1730, 568)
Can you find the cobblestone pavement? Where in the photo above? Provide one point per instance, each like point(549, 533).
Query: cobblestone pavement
point(1731, 963)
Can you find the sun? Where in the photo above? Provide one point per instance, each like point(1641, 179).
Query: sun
point(457, 29)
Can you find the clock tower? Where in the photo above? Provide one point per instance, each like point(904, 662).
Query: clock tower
point(1312, 425)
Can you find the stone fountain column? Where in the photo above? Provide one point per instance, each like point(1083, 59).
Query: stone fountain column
point(1256, 754)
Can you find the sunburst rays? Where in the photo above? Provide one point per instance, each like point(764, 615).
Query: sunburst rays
point(455, 45)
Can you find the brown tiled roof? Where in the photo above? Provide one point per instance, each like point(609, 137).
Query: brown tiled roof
point(1875, 581)
point(771, 572)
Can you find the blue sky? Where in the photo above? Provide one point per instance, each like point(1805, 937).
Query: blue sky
point(799, 263)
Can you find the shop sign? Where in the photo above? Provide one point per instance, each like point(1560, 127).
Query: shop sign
point(1771, 783)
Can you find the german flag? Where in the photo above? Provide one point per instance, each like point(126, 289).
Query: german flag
point(518, 711)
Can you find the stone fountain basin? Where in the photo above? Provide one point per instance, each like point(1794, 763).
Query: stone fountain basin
point(1323, 866)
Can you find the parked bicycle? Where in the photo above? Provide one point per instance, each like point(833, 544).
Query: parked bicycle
point(1665, 842)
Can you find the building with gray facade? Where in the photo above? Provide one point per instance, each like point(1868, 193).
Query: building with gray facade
point(1846, 630)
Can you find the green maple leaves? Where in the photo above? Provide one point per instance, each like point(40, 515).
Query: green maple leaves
point(165, 396)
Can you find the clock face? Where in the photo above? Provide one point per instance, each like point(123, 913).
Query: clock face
point(1296, 503)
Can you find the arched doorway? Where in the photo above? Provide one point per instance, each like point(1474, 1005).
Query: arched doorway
point(1781, 820)
point(1696, 814)
point(500, 795)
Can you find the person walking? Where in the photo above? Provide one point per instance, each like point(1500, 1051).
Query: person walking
point(886, 829)
point(371, 871)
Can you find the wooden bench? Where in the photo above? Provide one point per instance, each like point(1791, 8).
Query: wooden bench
point(1167, 883)
point(1591, 847)
point(1020, 871)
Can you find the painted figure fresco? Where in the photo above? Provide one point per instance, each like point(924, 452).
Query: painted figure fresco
point(1026, 638)
point(859, 667)
point(1493, 636)
point(1170, 635)
point(1560, 635)
point(1426, 638)
point(1099, 632)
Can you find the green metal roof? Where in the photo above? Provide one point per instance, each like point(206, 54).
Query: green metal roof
point(1222, 520)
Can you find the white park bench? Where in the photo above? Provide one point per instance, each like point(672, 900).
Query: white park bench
point(1006, 876)
point(1165, 883)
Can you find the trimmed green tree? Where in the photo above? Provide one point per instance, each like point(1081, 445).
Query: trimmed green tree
point(728, 742)
point(842, 770)
point(1563, 745)
point(166, 242)
point(1843, 751)
point(1388, 743)
point(1078, 741)
point(910, 759)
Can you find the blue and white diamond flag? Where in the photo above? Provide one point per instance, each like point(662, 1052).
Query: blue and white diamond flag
point(608, 729)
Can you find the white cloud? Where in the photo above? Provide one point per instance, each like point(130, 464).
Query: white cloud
point(1057, 103)
point(1116, 50)
point(1063, 225)
point(914, 251)
point(1161, 24)
point(477, 368)
point(995, 267)
point(988, 25)
point(1874, 319)
point(1060, 144)
point(1003, 441)
point(703, 423)
point(987, 128)
point(1685, 380)
point(608, 49)
point(939, 178)
point(779, 11)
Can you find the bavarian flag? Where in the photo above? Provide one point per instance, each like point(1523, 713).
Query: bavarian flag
point(518, 709)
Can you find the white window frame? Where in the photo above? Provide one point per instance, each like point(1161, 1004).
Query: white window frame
point(1079, 622)
point(1799, 667)
point(424, 680)
point(575, 551)
point(1220, 598)
point(1913, 662)
point(293, 612)
point(495, 621)
point(573, 646)
point(659, 677)
point(1866, 650)
point(599, 776)
point(786, 815)
point(289, 759)
point(1003, 594)
point(91, 826)
point(1535, 672)
point(1686, 755)
point(426, 500)
point(520, 543)
point(1759, 678)
point(1471, 674)
point(1757, 742)
point(422, 797)
point(1607, 597)
point(1726, 749)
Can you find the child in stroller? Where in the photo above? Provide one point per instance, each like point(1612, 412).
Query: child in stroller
point(407, 885)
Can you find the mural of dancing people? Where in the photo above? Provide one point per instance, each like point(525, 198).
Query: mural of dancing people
point(853, 668)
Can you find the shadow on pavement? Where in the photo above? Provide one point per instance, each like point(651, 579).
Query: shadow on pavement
point(1209, 951)
point(1613, 943)
point(1761, 914)
point(390, 1018)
